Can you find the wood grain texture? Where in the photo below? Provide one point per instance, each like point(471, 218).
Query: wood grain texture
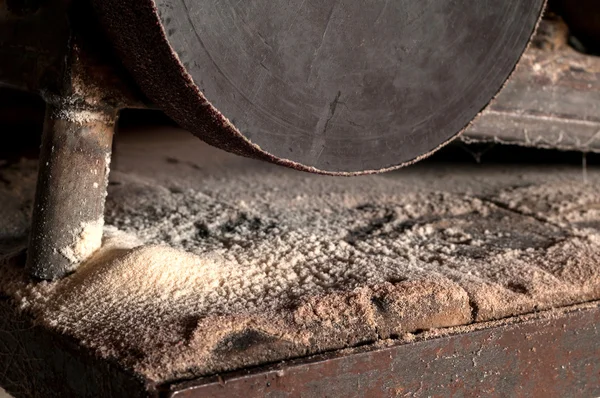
point(551, 101)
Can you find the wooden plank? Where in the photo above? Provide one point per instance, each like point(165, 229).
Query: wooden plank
point(553, 354)
point(552, 101)
point(35, 362)
point(553, 357)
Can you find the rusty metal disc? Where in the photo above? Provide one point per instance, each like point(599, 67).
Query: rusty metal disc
point(331, 86)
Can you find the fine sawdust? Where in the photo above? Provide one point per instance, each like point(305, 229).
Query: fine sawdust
point(212, 262)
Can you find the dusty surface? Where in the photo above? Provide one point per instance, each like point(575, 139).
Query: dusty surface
point(213, 262)
point(551, 101)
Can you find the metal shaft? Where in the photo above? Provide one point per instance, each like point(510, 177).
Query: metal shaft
point(68, 214)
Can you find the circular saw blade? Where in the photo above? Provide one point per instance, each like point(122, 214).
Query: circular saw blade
point(327, 86)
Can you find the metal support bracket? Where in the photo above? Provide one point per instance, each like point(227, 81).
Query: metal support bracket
point(84, 87)
point(68, 215)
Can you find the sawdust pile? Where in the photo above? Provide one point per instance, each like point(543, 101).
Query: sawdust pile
point(214, 264)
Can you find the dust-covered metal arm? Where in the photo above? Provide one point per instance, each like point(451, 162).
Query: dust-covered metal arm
point(68, 215)
point(55, 49)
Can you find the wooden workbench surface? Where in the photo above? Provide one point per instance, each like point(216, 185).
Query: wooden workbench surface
point(214, 263)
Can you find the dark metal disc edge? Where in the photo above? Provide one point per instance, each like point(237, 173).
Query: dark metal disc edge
point(136, 25)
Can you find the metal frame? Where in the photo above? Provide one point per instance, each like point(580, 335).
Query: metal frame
point(55, 49)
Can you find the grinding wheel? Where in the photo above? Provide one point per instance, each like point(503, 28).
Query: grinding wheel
point(337, 87)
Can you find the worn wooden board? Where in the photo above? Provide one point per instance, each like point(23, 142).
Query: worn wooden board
point(552, 357)
point(288, 264)
point(548, 355)
point(552, 101)
point(36, 362)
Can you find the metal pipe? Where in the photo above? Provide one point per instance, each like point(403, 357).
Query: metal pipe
point(68, 214)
